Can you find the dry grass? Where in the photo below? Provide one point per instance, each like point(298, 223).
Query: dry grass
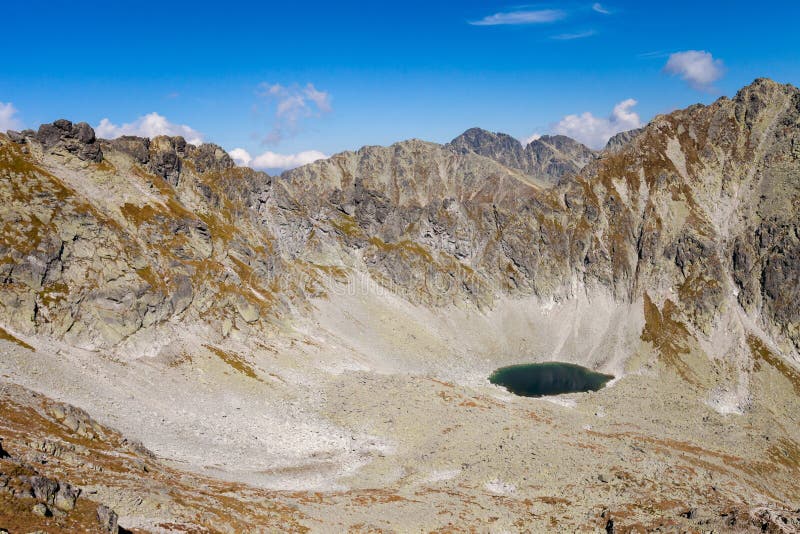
point(762, 355)
point(235, 361)
point(6, 336)
point(668, 336)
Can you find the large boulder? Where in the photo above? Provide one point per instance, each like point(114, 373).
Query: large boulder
point(77, 139)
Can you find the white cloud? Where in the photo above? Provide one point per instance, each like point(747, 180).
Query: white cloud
point(598, 7)
point(571, 36)
point(698, 68)
point(273, 160)
point(594, 131)
point(150, 125)
point(241, 156)
point(521, 17)
point(294, 104)
point(530, 139)
point(7, 119)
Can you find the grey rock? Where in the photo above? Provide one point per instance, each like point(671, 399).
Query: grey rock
point(621, 139)
point(41, 510)
point(44, 489)
point(164, 158)
point(16, 137)
point(136, 147)
point(182, 296)
point(76, 420)
point(66, 496)
point(209, 157)
point(78, 139)
point(107, 519)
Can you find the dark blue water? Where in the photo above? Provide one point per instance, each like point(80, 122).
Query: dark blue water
point(550, 378)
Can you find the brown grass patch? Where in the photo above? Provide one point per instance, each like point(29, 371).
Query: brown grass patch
point(235, 361)
point(668, 336)
point(6, 336)
point(762, 353)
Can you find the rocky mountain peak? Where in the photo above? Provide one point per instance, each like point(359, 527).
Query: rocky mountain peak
point(77, 139)
point(549, 158)
point(479, 140)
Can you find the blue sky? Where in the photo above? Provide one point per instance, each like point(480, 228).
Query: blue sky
point(286, 78)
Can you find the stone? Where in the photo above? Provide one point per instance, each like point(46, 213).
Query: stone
point(164, 160)
point(247, 311)
point(41, 510)
point(78, 139)
point(107, 519)
point(66, 496)
point(136, 147)
point(16, 137)
point(618, 141)
point(209, 157)
point(83, 133)
point(44, 489)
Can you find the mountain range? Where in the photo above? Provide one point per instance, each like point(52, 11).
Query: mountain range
point(201, 346)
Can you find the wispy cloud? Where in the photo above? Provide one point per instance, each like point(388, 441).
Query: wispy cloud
point(698, 68)
point(576, 35)
point(150, 125)
point(653, 54)
point(539, 16)
point(293, 104)
point(274, 161)
point(594, 131)
point(8, 121)
point(598, 7)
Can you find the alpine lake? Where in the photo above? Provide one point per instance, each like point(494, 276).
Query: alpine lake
point(548, 378)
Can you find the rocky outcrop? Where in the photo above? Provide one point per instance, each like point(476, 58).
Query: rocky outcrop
point(77, 139)
point(166, 155)
point(621, 139)
point(136, 147)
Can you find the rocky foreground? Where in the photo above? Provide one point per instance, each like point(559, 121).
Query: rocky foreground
point(187, 345)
